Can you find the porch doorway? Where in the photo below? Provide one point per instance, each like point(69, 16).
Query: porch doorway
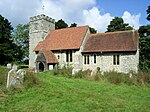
point(41, 67)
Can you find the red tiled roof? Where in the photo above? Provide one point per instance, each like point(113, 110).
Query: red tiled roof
point(50, 57)
point(62, 39)
point(112, 42)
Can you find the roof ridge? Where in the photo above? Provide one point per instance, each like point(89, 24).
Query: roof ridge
point(111, 32)
point(70, 28)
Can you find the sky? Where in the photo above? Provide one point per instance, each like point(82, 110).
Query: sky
point(95, 13)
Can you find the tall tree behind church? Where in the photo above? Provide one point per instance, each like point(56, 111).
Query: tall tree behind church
point(117, 24)
point(60, 24)
point(20, 37)
point(148, 13)
point(9, 51)
point(144, 44)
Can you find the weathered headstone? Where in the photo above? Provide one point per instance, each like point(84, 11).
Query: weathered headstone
point(130, 75)
point(11, 78)
point(74, 71)
point(15, 78)
point(9, 66)
point(20, 75)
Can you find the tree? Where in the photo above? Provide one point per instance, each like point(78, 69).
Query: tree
point(73, 25)
point(9, 51)
point(148, 13)
point(144, 30)
point(144, 44)
point(20, 37)
point(60, 24)
point(117, 24)
point(92, 30)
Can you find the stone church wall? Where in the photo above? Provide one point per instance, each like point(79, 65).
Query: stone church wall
point(127, 62)
point(38, 29)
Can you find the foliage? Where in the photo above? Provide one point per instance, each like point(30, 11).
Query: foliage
point(92, 30)
point(3, 77)
point(98, 76)
point(73, 25)
point(9, 51)
point(148, 13)
point(20, 37)
point(62, 94)
point(117, 24)
point(144, 53)
point(31, 79)
point(139, 79)
point(60, 24)
point(117, 78)
point(65, 71)
point(144, 31)
point(83, 74)
point(144, 45)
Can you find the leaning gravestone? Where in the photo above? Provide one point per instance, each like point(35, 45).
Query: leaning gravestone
point(15, 78)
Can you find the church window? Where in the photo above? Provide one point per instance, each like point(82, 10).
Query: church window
point(87, 59)
point(58, 56)
point(116, 60)
point(94, 58)
point(69, 56)
point(84, 59)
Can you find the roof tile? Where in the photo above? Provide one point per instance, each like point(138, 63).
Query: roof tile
point(62, 39)
point(112, 42)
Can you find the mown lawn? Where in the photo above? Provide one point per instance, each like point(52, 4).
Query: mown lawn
point(61, 94)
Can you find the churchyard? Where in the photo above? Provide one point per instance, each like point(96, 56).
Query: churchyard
point(55, 91)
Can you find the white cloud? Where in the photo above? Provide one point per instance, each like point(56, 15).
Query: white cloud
point(18, 11)
point(50, 8)
point(69, 10)
point(82, 12)
point(133, 20)
point(94, 19)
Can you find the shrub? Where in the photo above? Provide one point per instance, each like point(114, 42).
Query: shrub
point(3, 76)
point(3, 80)
point(98, 75)
point(140, 78)
point(116, 78)
point(83, 74)
point(143, 78)
point(31, 79)
point(65, 71)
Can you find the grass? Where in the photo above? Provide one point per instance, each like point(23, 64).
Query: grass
point(62, 94)
point(3, 78)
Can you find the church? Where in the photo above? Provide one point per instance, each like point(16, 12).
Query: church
point(76, 47)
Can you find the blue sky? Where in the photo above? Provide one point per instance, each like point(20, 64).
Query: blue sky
point(117, 7)
point(95, 13)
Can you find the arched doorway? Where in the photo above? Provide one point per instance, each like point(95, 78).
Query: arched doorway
point(41, 67)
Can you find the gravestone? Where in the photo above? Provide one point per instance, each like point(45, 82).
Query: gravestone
point(74, 71)
point(9, 66)
point(15, 78)
point(20, 75)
